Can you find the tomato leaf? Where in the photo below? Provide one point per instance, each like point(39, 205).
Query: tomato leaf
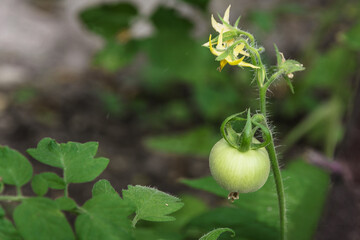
point(76, 159)
point(151, 204)
point(103, 187)
point(39, 185)
point(104, 217)
point(7, 229)
point(244, 222)
point(41, 182)
point(65, 203)
point(214, 234)
point(41, 219)
point(15, 169)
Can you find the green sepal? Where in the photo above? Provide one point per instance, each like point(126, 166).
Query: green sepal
point(228, 133)
point(259, 121)
point(237, 22)
point(287, 66)
point(246, 135)
point(223, 55)
point(225, 23)
point(227, 52)
point(278, 56)
point(227, 36)
point(289, 83)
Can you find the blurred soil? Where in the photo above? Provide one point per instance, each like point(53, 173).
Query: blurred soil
point(341, 219)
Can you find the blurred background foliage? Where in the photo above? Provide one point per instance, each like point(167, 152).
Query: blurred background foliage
point(162, 89)
point(180, 72)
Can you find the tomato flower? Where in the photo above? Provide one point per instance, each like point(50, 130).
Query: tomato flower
point(222, 28)
point(229, 47)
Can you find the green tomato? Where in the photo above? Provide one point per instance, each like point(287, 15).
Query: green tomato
point(237, 171)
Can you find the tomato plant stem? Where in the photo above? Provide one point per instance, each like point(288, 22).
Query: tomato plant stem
point(66, 190)
point(18, 191)
point(11, 198)
point(275, 166)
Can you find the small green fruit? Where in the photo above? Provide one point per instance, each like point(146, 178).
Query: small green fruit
point(237, 171)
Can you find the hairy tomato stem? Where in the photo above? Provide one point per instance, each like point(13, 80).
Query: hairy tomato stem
point(275, 166)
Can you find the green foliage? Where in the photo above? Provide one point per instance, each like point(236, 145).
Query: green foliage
point(328, 68)
point(264, 19)
point(151, 204)
point(15, 169)
point(211, 98)
point(104, 216)
point(170, 46)
point(300, 184)
point(174, 58)
point(193, 207)
point(267, 19)
point(41, 219)
point(202, 4)
point(206, 184)
point(245, 223)
point(43, 181)
point(352, 37)
point(317, 124)
point(24, 95)
point(66, 203)
point(76, 159)
point(112, 21)
point(112, 103)
point(195, 142)
point(108, 20)
point(214, 234)
point(115, 55)
point(103, 187)
point(7, 229)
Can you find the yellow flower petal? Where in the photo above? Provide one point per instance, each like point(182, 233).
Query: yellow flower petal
point(227, 14)
point(239, 50)
point(205, 44)
point(222, 65)
point(220, 26)
point(220, 41)
point(235, 62)
point(217, 26)
point(212, 50)
point(245, 64)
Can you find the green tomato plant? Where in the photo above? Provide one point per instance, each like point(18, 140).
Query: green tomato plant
point(239, 162)
point(106, 215)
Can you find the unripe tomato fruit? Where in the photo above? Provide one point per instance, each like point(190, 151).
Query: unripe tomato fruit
point(237, 171)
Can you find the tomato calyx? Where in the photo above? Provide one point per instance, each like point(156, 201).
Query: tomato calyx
point(243, 141)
